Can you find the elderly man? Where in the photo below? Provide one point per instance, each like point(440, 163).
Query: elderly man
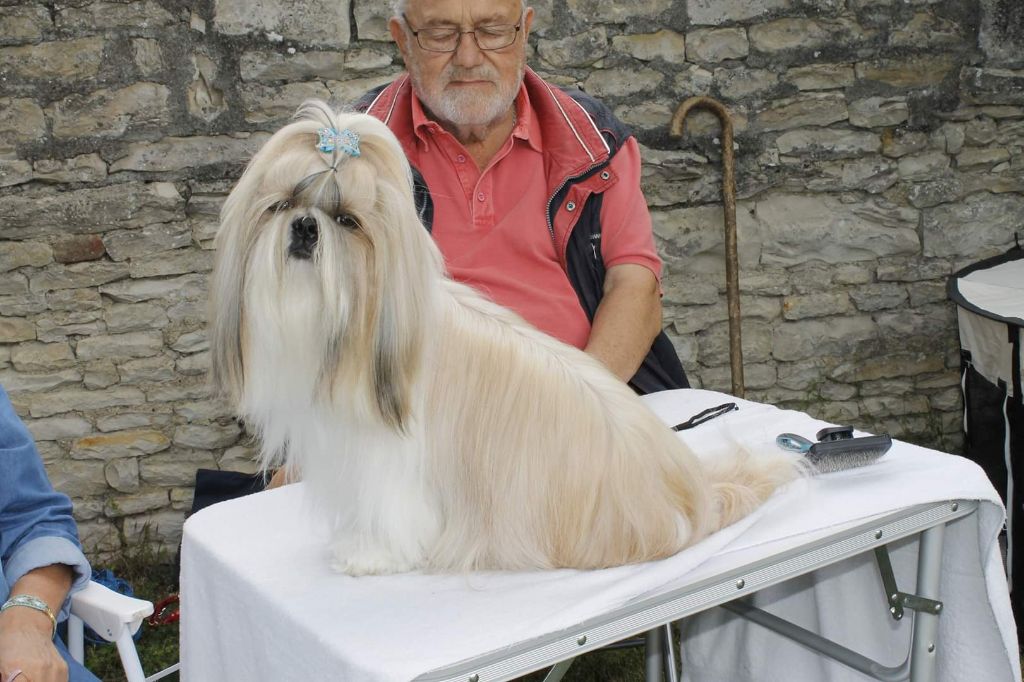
point(532, 193)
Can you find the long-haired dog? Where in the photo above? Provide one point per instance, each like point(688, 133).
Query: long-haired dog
point(438, 430)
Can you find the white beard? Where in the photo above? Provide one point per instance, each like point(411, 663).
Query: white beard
point(437, 430)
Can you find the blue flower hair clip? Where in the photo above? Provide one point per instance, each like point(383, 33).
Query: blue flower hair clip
point(329, 139)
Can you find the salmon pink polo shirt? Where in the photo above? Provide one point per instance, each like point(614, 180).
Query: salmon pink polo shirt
point(492, 228)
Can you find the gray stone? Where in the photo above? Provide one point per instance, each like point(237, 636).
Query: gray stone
point(271, 67)
point(317, 23)
point(108, 446)
point(89, 210)
point(100, 539)
point(14, 172)
point(872, 297)
point(175, 467)
point(182, 498)
point(78, 248)
point(797, 229)
point(946, 401)
point(621, 82)
point(953, 136)
point(981, 157)
point(923, 166)
point(204, 410)
point(129, 317)
point(74, 300)
point(821, 76)
point(21, 254)
point(77, 276)
point(821, 337)
point(175, 289)
point(909, 72)
point(755, 337)
point(13, 284)
point(346, 92)
point(902, 142)
point(161, 528)
point(819, 109)
point(265, 104)
point(828, 142)
point(151, 239)
point(64, 60)
point(927, 30)
point(186, 389)
point(696, 235)
point(42, 357)
point(664, 44)
point(100, 374)
point(837, 392)
point(25, 24)
point(923, 293)
point(207, 436)
point(14, 382)
point(806, 34)
point(135, 15)
point(79, 400)
point(716, 12)
point(21, 120)
point(179, 262)
point(178, 153)
point(22, 306)
point(372, 20)
point(111, 113)
point(649, 114)
point(980, 131)
point(191, 342)
point(77, 478)
point(886, 367)
point(156, 369)
point(877, 112)
point(614, 12)
point(59, 326)
point(204, 99)
point(13, 330)
point(716, 45)
point(689, 290)
point(735, 84)
point(240, 458)
point(980, 222)
point(123, 474)
point(755, 377)
point(120, 346)
point(815, 305)
point(992, 86)
point(58, 428)
point(693, 80)
point(132, 420)
point(148, 58)
point(578, 49)
point(872, 174)
point(126, 505)
point(935, 192)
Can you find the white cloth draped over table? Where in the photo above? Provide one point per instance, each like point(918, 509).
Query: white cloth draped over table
point(260, 603)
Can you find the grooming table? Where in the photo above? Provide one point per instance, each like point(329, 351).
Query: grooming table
point(260, 603)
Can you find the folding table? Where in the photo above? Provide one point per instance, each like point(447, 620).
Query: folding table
point(259, 601)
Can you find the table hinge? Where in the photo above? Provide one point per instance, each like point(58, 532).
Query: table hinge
point(901, 600)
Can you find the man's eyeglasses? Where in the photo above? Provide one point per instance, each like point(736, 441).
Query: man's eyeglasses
point(446, 38)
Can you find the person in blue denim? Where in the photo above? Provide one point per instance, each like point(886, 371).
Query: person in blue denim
point(41, 562)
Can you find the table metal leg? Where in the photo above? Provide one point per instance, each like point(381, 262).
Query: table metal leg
point(671, 672)
point(924, 646)
point(654, 655)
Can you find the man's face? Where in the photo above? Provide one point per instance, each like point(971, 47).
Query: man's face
point(470, 86)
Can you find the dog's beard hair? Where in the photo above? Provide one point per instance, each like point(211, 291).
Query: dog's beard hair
point(436, 429)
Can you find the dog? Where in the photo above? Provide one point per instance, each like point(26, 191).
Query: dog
point(435, 429)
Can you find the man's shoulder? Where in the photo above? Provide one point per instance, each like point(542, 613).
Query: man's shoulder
point(572, 100)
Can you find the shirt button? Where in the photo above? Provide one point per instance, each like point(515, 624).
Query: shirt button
point(480, 197)
point(461, 158)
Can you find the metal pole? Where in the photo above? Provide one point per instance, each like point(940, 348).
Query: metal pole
point(654, 656)
point(924, 647)
point(732, 283)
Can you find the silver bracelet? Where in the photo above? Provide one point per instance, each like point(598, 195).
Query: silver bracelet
point(31, 602)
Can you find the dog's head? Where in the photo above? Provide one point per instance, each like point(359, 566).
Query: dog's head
point(322, 263)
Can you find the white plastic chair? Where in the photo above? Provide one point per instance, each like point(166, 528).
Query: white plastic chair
point(115, 618)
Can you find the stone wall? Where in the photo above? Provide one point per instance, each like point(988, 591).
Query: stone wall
point(879, 148)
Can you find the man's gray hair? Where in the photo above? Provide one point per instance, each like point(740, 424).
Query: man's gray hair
point(398, 7)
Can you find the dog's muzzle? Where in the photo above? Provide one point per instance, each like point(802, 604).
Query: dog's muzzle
point(303, 237)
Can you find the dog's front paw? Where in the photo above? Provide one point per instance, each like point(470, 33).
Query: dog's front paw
point(356, 561)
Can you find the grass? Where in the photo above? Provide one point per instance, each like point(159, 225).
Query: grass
point(153, 575)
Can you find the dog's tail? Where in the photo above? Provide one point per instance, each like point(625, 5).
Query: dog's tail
point(743, 482)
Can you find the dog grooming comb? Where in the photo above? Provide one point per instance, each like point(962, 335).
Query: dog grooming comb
point(836, 449)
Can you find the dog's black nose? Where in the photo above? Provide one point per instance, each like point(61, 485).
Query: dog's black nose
point(303, 237)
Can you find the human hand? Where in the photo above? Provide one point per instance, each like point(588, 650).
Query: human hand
point(26, 645)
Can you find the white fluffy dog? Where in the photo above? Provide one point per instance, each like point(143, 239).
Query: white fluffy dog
point(437, 429)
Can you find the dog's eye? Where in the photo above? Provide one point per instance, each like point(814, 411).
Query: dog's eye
point(346, 220)
point(280, 206)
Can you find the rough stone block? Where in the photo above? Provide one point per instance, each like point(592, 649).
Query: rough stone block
point(81, 400)
point(42, 357)
point(877, 112)
point(622, 82)
point(122, 475)
point(981, 222)
point(716, 45)
point(316, 23)
point(21, 120)
point(872, 297)
point(65, 60)
point(58, 428)
point(111, 113)
point(815, 305)
point(78, 248)
point(156, 369)
point(15, 255)
point(717, 12)
point(665, 45)
point(108, 446)
point(576, 50)
point(818, 109)
point(822, 337)
point(139, 503)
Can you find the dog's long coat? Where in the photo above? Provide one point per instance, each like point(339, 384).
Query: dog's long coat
point(437, 430)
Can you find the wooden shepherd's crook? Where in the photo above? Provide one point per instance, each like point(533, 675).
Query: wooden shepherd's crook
point(732, 280)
